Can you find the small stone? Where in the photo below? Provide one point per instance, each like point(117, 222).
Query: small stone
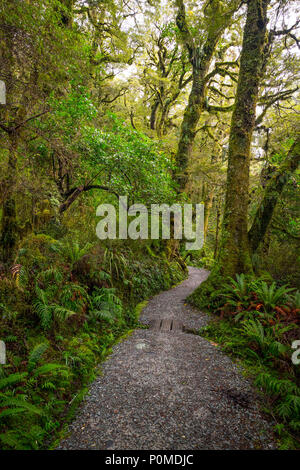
point(141, 346)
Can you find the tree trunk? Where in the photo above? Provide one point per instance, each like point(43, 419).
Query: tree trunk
point(208, 202)
point(217, 228)
point(193, 112)
point(154, 109)
point(272, 193)
point(9, 229)
point(67, 12)
point(200, 57)
point(234, 256)
point(234, 253)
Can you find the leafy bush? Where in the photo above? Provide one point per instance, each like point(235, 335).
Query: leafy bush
point(62, 321)
point(266, 356)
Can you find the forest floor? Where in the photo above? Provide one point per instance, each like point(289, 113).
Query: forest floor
point(170, 390)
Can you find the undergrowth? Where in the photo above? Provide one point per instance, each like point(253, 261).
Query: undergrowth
point(62, 308)
point(256, 323)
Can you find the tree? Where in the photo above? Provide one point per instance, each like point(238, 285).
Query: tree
point(217, 17)
point(235, 255)
point(272, 193)
point(34, 47)
point(166, 74)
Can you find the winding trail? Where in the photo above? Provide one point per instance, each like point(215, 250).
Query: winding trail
point(170, 390)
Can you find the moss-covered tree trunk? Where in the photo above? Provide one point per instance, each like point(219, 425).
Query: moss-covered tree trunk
point(190, 120)
point(218, 217)
point(272, 193)
point(66, 12)
point(207, 197)
point(9, 230)
point(154, 109)
point(234, 256)
point(200, 58)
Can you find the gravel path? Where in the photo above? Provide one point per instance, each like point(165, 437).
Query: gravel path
point(169, 391)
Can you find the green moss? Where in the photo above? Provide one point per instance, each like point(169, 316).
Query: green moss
point(36, 252)
point(9, 230)
point(138, 309)
point(206, 295)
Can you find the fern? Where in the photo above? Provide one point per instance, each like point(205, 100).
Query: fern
point(42, 308)
point(12, 379)
point(62, 313)
point(7, 313)
point(289, 407)
point(276, 386)
point(73, 297)
point(11, 439)
point(47, 310)
point(104, 315)
point(71, 250)
point(264, 337)
point(11, 412)
point(20, 275)
point(271, 296)
point(48, 368)
point(49, 275)
point(36, 354)
point(105, 305)
point(254, 330)
point(20, 440)
point(48, 386)
point(20, 403)
point(295, 299)
point(237, 291)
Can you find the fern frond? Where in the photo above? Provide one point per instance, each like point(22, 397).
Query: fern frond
point(36, 354)
point(12, 379)
point(44, 312)
point(48, 368)
point(62, 313)
point(11, 439)
point(11, 412)
point(19, 403)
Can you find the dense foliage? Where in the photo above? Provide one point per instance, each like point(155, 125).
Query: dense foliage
point(161, 102)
